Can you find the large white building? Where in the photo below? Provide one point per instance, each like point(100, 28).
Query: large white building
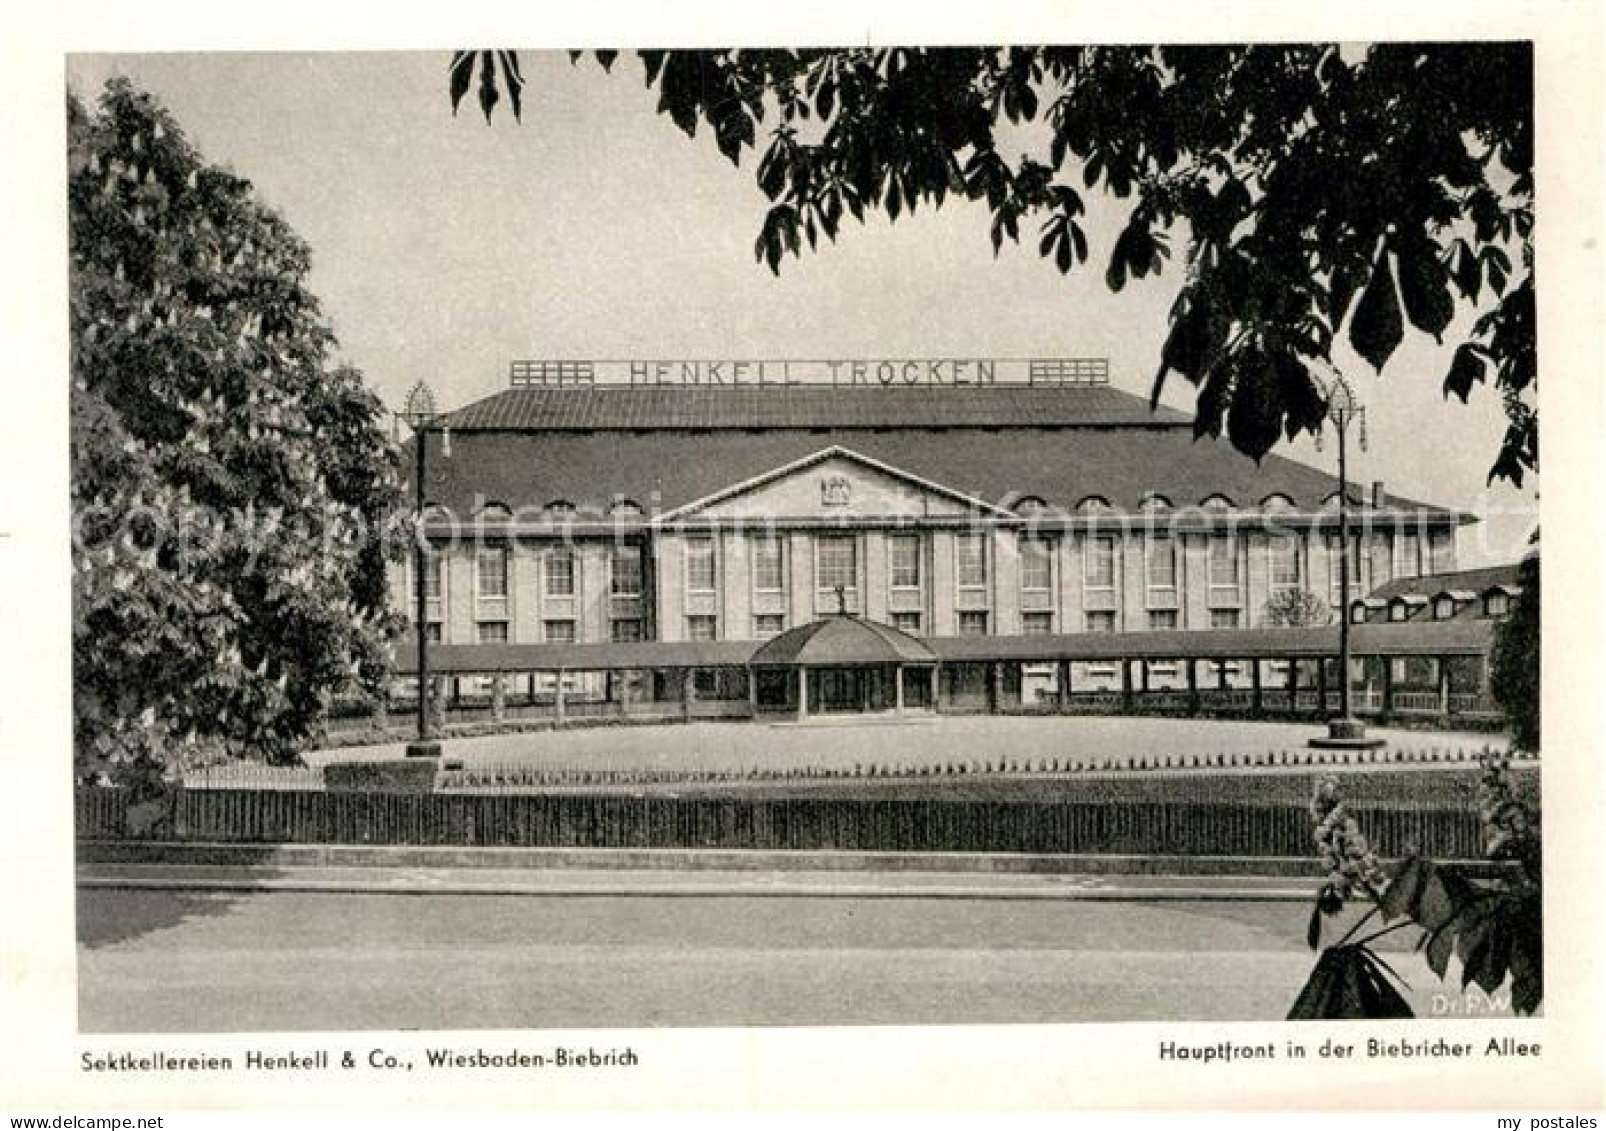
point(723, 504)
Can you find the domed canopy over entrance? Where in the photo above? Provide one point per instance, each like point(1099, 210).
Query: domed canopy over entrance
point(844, 640)
point(843, 664)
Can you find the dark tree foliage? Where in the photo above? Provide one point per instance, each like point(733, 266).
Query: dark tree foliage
point(1514, 661)
point(230, 483)
point(1492, 924)
point(1309, 187)
point(1296, 608)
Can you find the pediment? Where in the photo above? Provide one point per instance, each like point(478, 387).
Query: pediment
point(835, 484)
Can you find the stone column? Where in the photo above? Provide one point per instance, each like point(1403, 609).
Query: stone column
point(498, 697)
point(897, 689)
point(558, 709)
point(802, 692)
point(688, 692)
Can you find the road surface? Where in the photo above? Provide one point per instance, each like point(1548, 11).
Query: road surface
point(228, 961)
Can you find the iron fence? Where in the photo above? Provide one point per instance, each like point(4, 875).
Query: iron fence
point(914, 824)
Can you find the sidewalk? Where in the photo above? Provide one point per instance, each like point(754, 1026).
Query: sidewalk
point(667, 883)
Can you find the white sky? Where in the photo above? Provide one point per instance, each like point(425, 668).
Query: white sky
point(443, 248)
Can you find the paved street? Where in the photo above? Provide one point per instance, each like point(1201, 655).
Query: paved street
point(176, 960)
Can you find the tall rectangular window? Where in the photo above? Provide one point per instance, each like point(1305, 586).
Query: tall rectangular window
point(903, 552)
point(1160, 572)
point(1098, 565)
point(700, 570)
point(1283, 562)
point(972, 552)
point(432, 577)
point(836, 562)
point(492, 565)
point(1160, 562)
point(560, 572)
point(1335, 562)
point(1224, 562)
point(627, 575)
point(1036, 564)
point(768, 565)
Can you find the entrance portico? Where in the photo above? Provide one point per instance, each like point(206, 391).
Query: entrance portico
point(843, 664)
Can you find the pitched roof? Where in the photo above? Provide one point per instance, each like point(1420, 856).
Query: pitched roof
point(603, 407)
point(843, 640)
point(661, 470)
point(602, 656)
point(1379, 639)
point(1411, 638)
point(1475, 581)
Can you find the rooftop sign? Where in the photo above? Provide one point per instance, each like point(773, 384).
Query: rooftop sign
point(934, 372)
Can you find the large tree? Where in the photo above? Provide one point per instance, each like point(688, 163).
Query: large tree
point(1514, 660)
point(1311, 185)
point(230, 482)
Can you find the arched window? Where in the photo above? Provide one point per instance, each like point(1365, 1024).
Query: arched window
point(1093, 504)
point(1156, 502)
point(559, 508)
point(1277, 501)
point(495, 510)
point(1217, 502)
point(1030, 504)
point(622, 507)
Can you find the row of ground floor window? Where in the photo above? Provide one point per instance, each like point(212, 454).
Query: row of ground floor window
point(1410, 686)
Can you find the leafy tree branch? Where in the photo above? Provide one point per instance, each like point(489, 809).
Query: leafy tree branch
point(1307, 190)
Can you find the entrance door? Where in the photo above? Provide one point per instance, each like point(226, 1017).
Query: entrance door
point(774, 689)
point(838, 689)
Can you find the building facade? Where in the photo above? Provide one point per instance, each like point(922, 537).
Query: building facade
point(571, 512)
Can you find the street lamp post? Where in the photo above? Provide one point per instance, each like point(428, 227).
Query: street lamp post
point(419, 414)
point(1343, 410)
